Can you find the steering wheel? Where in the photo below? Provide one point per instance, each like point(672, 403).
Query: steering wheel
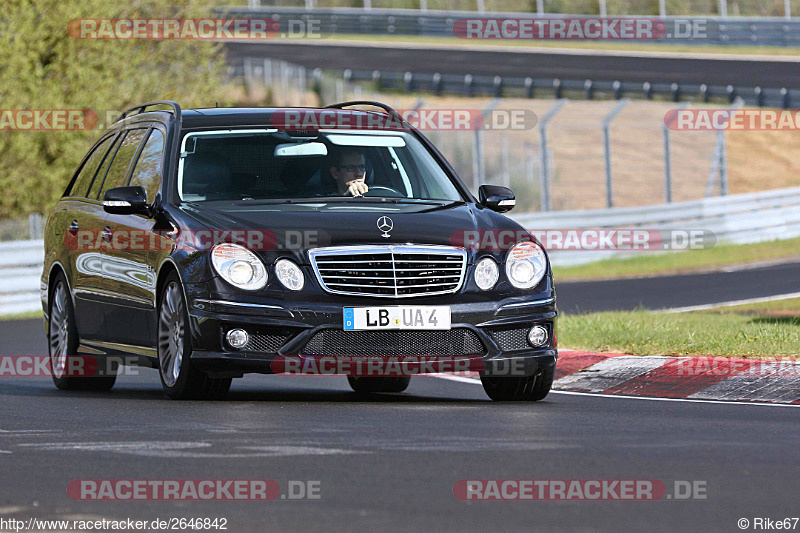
point(394, 193)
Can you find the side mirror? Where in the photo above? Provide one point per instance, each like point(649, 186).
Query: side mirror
point(497, 198)
point(126, 201)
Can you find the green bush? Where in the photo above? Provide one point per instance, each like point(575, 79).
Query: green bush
point(42, 67)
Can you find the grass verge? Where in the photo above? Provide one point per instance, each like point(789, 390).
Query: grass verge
point(699, 333)
point(653, 264)
point(22, 316)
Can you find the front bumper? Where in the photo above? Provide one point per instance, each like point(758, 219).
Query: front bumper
point(497, 326)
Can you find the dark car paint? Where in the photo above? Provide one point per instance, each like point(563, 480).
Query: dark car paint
point(116, 316)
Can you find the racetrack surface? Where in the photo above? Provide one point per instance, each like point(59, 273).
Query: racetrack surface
point(684, 290)
point(389, 463)
point(521, 63)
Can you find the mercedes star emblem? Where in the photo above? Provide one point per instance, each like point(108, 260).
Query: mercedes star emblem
point(385, 224)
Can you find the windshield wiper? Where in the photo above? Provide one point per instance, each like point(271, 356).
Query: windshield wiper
point(444, 206)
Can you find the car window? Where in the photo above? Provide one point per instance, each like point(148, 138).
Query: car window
point(147, 172)
point(101, 173)
point(117, 175)
point(81, 184)
point(269, 164)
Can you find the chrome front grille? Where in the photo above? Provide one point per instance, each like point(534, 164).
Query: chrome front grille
point(390, 271)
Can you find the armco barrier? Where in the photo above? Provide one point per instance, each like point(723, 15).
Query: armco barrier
point(735, 219)
point(21, 265)
point(741, 218)
point(720, 31)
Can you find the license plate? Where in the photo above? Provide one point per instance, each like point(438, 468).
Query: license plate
point(402, 317)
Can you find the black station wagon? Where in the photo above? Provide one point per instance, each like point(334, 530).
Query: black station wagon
point(210, 243)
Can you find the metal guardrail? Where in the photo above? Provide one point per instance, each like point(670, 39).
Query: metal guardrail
point(767, 31)
point(739, 219)
point(527, 87)
point(21, 264)
point(734, 219)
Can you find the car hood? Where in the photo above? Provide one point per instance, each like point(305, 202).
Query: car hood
point(291, 229)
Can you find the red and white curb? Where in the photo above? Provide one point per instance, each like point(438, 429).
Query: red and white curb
point(700, 378)
point(697, 379)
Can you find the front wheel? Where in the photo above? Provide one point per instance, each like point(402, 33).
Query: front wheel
point(520, 389)
point(371, 384)
point(179, 378)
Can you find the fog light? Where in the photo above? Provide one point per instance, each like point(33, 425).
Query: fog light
point(237, 338)
point(537, 336)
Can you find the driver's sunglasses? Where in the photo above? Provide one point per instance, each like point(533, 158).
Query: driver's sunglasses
point(354, 168)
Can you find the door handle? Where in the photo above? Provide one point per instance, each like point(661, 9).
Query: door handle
point(107, 234)
point(73, 227)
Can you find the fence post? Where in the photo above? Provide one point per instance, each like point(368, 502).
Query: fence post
point(529, 164)
point(668, 160)
point(478, 169)
point(723, 8)
point(662, 8)
point(423, 5)
point(506, 174)
point(720, 158)
point(540, 7)
point(544, 166)
point(787, 9)
point(607, 146)
point(603, 8)
point(481, 6)
point(35, 226)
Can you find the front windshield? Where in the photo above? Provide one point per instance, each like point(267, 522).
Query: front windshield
point(276, 165)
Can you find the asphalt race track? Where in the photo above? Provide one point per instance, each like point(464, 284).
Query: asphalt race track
point(389, 463)
point(679, 291)
point(521, 63)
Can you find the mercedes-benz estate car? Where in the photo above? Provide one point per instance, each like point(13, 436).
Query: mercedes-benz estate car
point(211, 243)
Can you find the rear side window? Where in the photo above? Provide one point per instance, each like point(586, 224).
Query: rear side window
point(101, 174)
point(81, 184)
point(147, 172)
point(117, 175)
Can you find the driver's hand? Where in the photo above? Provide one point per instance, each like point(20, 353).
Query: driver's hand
point(356, 188)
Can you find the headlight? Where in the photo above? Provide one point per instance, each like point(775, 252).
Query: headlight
point(289, 274)
point(525, 265)
point(239, 266)
point(486, 273)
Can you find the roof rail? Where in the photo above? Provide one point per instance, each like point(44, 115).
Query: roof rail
point(143, 108)
point(379, 105)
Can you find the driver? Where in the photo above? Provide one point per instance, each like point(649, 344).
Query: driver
point(349, 170)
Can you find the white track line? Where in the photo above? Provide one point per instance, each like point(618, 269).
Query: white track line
point(730, 303)
point(623, 396)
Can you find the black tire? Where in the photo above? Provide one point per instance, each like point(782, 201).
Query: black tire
point(62, 342)
point(368, 385)
point(519, 389)
point(179, 378)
